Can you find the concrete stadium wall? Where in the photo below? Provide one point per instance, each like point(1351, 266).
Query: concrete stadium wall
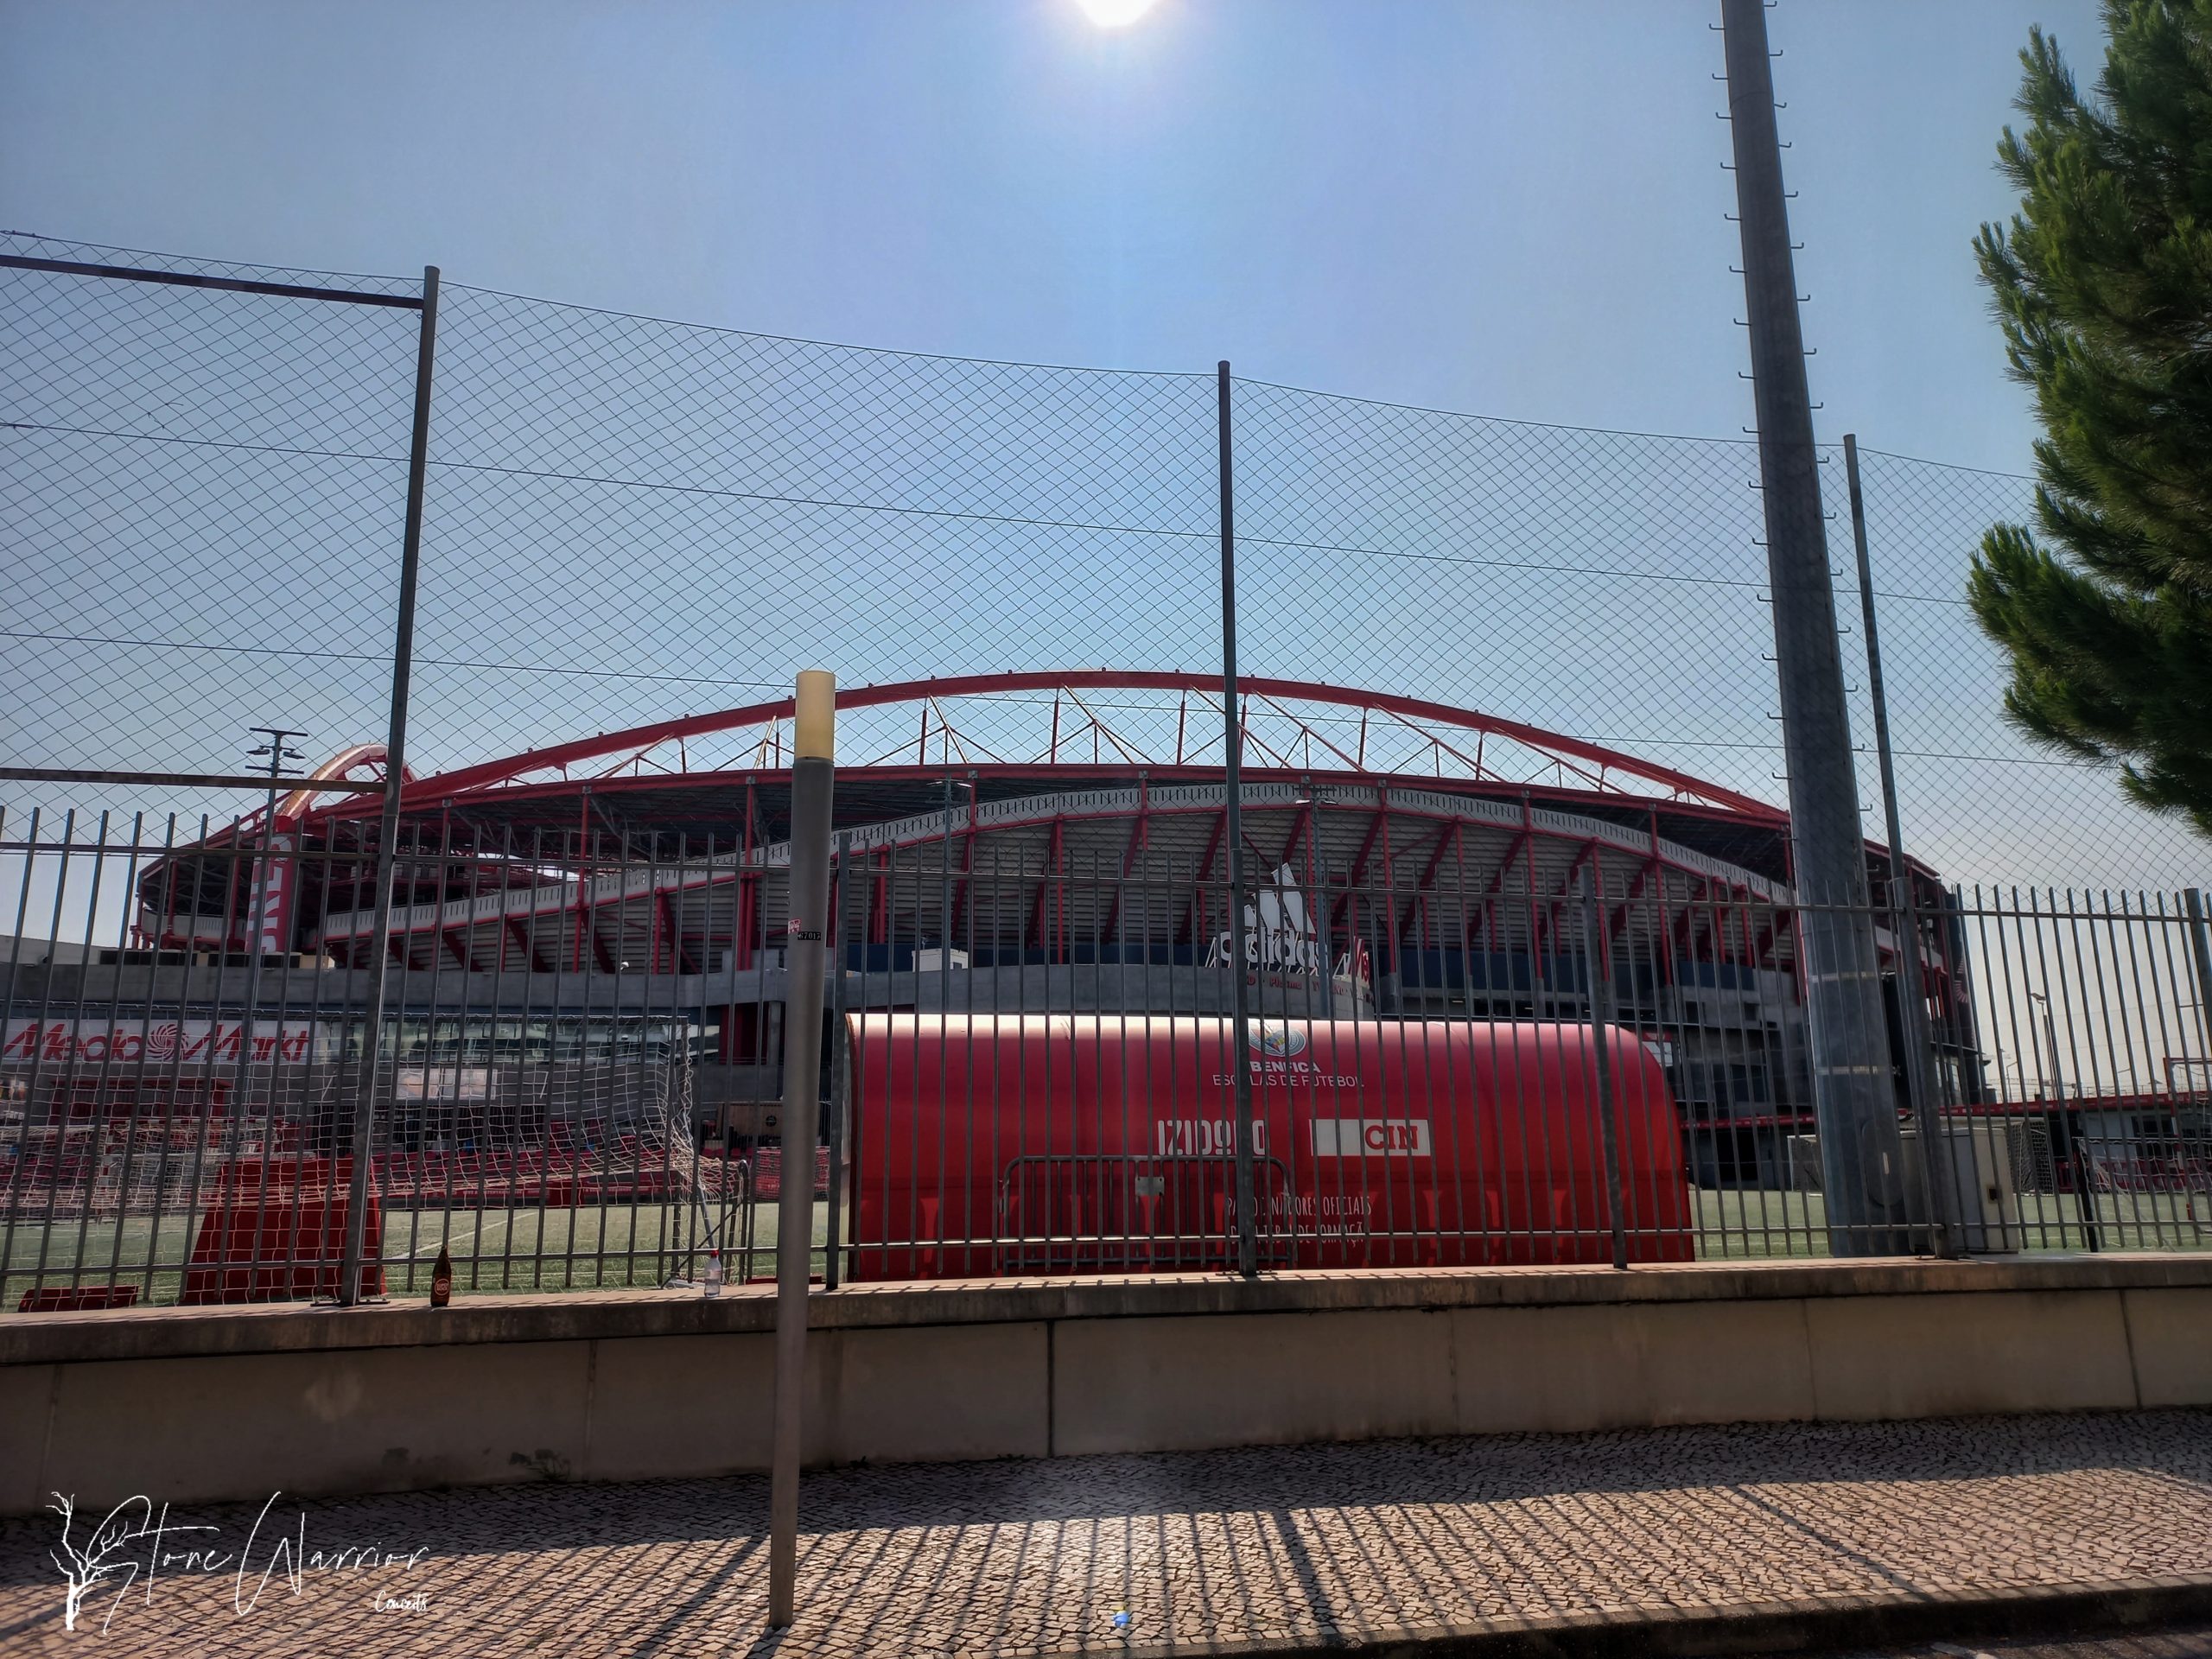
point(198, 1405)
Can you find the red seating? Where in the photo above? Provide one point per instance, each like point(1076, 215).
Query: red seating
point(278, 1230)
point(66, 1299)
point(768, 1172)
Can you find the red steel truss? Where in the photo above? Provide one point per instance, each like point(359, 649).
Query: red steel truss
point(964, 719)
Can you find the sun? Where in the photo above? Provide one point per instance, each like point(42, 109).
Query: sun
point(1115, 14)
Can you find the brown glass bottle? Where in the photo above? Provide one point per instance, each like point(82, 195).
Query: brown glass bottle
point(441, 1279)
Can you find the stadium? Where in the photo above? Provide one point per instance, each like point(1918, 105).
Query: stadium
point(1049, 842)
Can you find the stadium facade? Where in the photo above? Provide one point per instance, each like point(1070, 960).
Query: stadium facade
point(1048, 841)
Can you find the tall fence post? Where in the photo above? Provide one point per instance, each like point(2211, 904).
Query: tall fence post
point(813, 748)
point(1601, 987)
point(1940, 1184)
point(395, 759)
point(1861, 1155)
point(2200, 949)
point(1247, 1239)
point(841, 1061)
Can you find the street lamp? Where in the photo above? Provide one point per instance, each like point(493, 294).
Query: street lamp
point(264, 925)
point(276, 752)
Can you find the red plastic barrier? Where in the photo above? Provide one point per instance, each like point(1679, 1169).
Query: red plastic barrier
point(1020, 1145)
point(277, 1231)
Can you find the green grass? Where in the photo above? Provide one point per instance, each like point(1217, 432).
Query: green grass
point(584, 1248)
point(592, 1247)
point(2125, 1221)
point(1757, 1226)
point(1749, 1226)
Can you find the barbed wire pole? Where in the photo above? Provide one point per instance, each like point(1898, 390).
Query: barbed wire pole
point(1861, 1156)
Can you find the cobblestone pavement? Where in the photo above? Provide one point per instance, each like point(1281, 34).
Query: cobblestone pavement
point(1017, 1558)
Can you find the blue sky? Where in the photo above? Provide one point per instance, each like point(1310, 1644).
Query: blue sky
point(1508, 208)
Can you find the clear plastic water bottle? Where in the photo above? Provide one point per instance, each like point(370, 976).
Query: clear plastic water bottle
point(712, 1284)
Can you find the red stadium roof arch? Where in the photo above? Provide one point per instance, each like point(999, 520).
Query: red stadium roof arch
point(661, 750)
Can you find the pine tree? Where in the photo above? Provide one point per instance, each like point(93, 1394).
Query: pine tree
point(2103, 287)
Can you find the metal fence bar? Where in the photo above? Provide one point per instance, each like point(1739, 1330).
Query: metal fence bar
point(1379, 1122)
point(194, 279)
point(833, 1259)
point(1939, 1188)
point(180, 779)
point(1248, 1261)
point(2200, 952)
point(1601, 1054)
point(402, 652)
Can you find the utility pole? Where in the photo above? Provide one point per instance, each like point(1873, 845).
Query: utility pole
point(1862, 1157)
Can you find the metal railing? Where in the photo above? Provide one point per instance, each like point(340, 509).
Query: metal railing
point(1569, 1050)
point(179, 1119)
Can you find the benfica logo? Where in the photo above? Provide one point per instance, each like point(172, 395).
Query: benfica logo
point(1277, 1041)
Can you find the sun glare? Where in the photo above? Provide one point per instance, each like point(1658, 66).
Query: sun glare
point(1114, 13)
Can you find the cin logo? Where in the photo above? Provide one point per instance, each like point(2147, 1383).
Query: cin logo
point(1277, 1041)
point(1363, 1137)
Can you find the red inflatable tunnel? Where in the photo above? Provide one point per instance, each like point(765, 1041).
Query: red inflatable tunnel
point(990, 1146)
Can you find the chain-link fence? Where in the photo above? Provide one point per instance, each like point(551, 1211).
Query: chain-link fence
point(629, 519)
point(633, 519)
point(205, 467)
point(632, 531)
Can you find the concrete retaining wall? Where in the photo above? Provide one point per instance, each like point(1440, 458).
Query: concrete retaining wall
point(194, 1405)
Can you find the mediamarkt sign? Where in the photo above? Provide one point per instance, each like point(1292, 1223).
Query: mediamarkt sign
point(67, 1042)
